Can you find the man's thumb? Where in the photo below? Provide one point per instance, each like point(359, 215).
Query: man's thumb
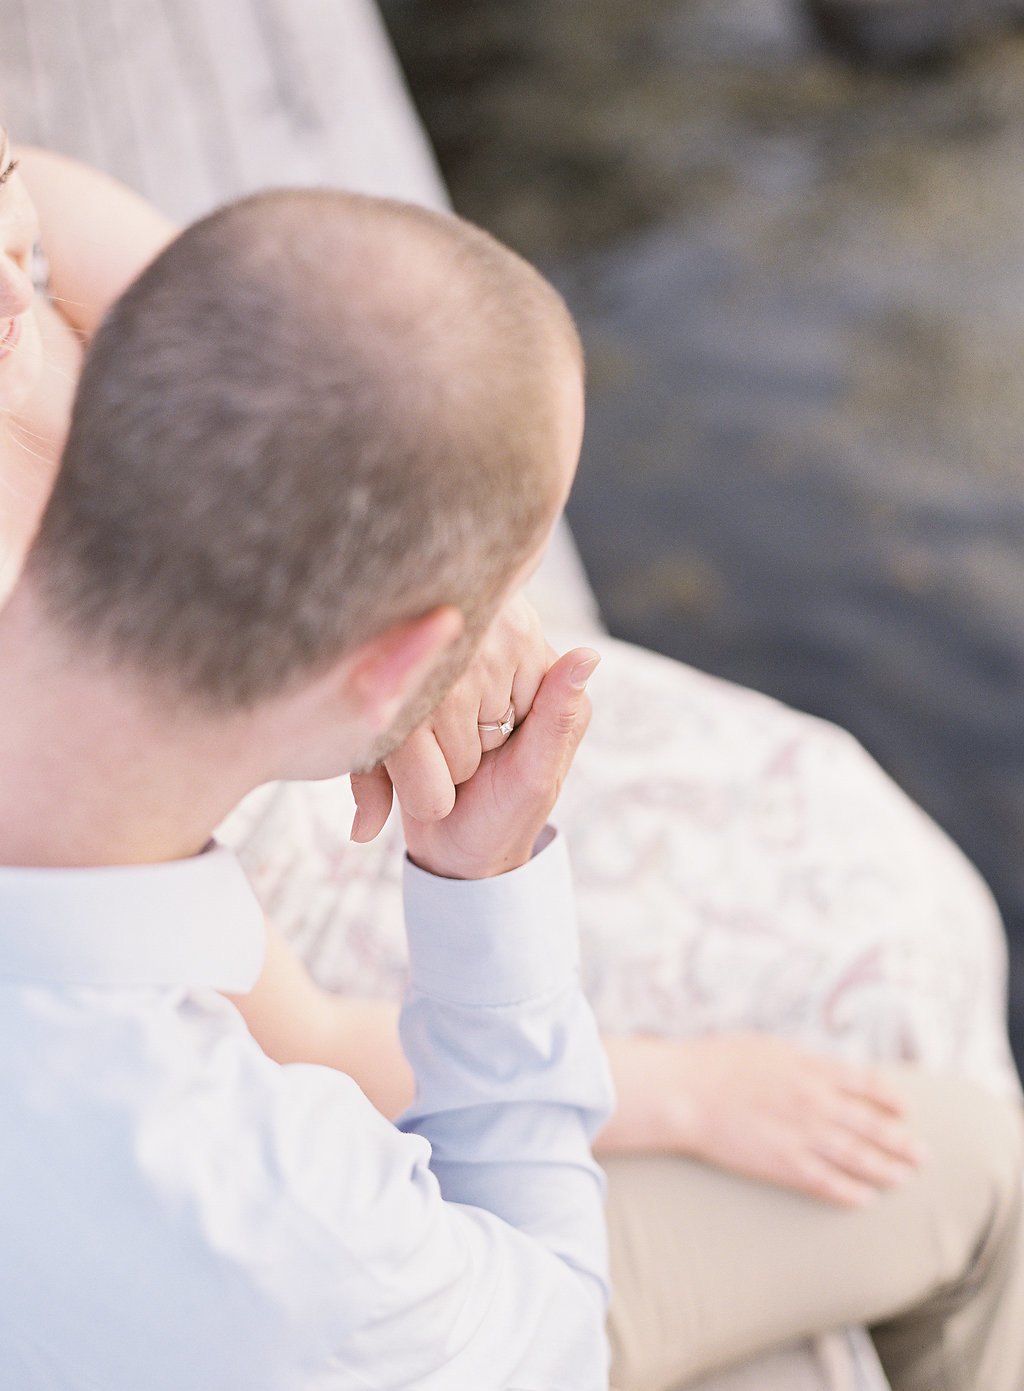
point(561, 710)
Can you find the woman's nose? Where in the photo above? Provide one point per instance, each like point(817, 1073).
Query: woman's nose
point(16, 288)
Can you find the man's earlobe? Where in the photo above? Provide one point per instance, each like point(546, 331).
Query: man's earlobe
point(388, 670)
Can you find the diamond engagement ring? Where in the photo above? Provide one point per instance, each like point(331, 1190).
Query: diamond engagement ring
point(505, 725)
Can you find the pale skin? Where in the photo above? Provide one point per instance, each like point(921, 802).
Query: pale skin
point(752, 1103)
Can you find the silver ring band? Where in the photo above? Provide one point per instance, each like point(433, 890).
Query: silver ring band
point(505, 725)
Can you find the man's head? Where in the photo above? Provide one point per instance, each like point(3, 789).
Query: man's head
point(315, 418)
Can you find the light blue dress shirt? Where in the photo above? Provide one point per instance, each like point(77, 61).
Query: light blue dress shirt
point(179, 1213)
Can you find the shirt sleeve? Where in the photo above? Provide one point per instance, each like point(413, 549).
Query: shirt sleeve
point(512, 1084)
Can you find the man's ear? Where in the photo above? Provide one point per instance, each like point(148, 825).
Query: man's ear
point(386, 672)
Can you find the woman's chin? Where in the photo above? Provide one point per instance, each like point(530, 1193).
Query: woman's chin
point(10, 568)
point(20, 363)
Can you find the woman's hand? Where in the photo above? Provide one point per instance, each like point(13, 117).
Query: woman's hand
point(446, 749)
point(763, 1107)
point(501, 810)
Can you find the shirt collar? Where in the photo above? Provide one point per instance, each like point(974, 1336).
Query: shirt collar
point(192, 922)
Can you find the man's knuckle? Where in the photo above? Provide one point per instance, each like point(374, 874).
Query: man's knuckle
point(565, 723)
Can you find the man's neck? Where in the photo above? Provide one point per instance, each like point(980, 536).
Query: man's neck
point(91, 773)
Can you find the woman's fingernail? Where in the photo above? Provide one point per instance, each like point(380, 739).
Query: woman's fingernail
point(583, 671)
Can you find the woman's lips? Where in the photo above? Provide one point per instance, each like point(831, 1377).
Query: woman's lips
point(10, 339)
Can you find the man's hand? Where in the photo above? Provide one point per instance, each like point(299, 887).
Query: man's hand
point(446, 749)
point(501, 810)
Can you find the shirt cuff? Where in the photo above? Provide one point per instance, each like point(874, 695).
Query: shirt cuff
point(495, 941)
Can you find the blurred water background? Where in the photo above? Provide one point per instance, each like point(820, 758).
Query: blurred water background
point(800, 284)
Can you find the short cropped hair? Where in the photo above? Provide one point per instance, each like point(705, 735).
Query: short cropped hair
point(314, 416)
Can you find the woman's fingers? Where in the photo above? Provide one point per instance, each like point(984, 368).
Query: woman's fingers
point(877, 1129)
point(865, 1083)
point(373, 796)
point(814, 1175)
point(445, 751)
point(500, 812)
point(864, 1159)
point(421, 776)
point(851, 1146)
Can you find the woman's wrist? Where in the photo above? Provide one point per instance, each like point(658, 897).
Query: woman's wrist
point(658, 1109)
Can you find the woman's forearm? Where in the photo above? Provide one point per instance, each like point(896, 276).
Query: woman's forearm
point(295, 1020)
point(756, 1104)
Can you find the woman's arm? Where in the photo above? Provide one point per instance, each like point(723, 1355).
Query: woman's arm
point(97, 233)
point(753, 1103)
point(295, 1020)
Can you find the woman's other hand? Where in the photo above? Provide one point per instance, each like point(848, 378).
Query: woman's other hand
point(763, 1107)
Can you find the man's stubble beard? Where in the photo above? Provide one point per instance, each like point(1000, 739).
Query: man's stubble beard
point(444, 676)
